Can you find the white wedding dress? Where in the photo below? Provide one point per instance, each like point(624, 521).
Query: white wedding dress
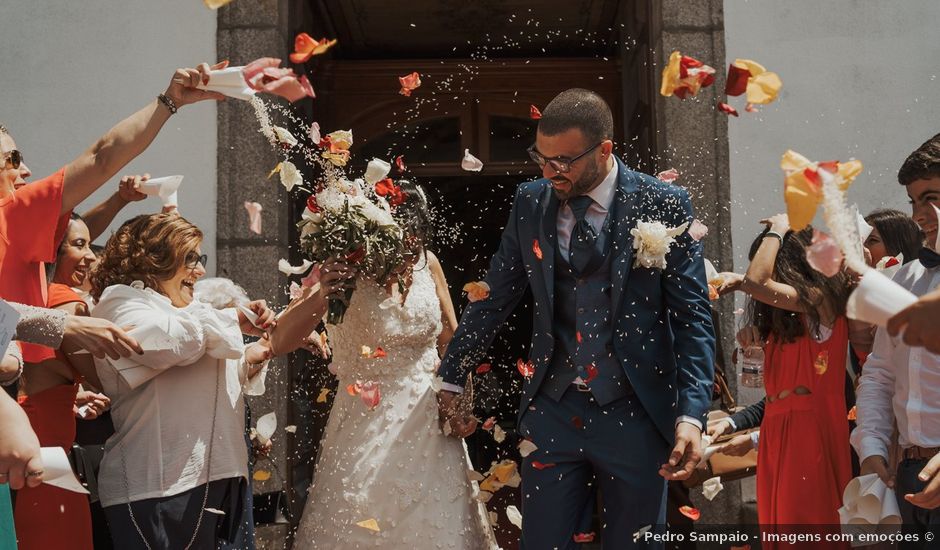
point(391, 464)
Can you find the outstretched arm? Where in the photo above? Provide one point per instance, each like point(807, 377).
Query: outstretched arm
point(130, 137)
point(689, 311)
point(100, 217)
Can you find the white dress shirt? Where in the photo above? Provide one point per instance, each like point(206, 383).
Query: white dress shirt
point(164, 426)
point(899, 383)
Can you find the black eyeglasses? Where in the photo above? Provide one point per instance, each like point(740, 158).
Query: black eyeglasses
point(15, 158)
point(561, 165)
point(193, 259)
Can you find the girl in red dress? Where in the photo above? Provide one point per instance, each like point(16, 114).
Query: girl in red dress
point(47, 516)
point(804, 459)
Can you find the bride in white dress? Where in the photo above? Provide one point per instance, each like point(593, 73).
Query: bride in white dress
point(388, 477)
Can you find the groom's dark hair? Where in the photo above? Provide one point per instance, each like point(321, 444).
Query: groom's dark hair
point(922, 164)
point(581, 109)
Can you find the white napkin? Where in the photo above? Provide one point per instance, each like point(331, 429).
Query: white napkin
point(57, 471)
point(150, 338)
point(229, 82)
point(265, 427)
point(869, 506)
point(165, 188)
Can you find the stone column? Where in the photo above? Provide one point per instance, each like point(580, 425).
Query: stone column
point(246, 31)
point(692, 137)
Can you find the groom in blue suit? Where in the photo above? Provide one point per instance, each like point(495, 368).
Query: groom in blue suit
point(622, 344)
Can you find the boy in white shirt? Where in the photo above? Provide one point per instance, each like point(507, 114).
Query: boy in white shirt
point(902, 383)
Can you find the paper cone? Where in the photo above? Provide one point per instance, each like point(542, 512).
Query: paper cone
point(229, 82)
point(161, 187)
point(877, 299)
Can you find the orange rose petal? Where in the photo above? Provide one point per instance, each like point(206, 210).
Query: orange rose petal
point(353, 389)
point(537, 249)
point(525, 368)
point(489, 423)
point(261, 475)
point(689, 512)
point(853, 413)
point(409, 83)
point(712, 292)
point(477, 290)
point(534, 112)
point(305, 47)
point(379, 353)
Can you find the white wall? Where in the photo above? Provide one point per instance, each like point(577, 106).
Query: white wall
point(71, 70)
point(861, 78)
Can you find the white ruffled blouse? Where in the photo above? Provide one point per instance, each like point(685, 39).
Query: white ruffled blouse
point(164, 424)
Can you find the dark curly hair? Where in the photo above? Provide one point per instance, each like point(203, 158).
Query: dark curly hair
point(148, 248)
point(814, 289)
point(923, 163)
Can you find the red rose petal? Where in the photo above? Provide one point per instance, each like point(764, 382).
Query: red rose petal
point(689, 512)
point(584, 537)
point(400, 163)
point(578, 423)
point(577, 336)
point(312, 204)
point(534, 112)
point(490, 422)
point(892, 262)
point(728, 109)
point(379, 353)
point(484, 368)
point(737, 80)
point(537, 249)
point(750, 108)
point(591, 373)
point(541, 465)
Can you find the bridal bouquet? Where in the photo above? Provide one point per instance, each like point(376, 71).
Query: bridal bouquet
point(352, 221)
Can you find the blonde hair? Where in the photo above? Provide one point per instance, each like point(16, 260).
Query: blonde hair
point(149, 248)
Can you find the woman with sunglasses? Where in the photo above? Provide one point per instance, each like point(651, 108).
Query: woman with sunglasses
point(179, 419)
point(33, 217)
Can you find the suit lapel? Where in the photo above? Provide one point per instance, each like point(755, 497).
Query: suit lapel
point(625, 211)
point(547, 242)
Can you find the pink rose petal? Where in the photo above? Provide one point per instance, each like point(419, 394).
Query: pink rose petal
point(698, 230)
point(370, 394)
point(824, 254)
point(254, 216)
point(668, 176)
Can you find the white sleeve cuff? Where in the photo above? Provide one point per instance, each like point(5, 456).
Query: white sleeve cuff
point(451, 387)
point(689, 420)
point(734, 427)
point(755, 437)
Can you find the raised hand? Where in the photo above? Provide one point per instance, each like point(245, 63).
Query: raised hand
point(182, 89)
point(129, 188)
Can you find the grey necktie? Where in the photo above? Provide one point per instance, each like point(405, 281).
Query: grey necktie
point(583, 237)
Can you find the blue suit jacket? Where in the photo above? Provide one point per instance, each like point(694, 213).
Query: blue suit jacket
point(663, 333)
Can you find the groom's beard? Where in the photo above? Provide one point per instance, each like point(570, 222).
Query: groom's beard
point(565, 189)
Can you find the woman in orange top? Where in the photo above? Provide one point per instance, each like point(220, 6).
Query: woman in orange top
point(49, 399)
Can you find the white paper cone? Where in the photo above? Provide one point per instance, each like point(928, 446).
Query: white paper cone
point(57, 471)
point(162, 187)
point(877, 299)
point(229, 82)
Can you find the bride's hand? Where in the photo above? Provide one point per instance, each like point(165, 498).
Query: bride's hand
point(447, 408)
point(335, 278)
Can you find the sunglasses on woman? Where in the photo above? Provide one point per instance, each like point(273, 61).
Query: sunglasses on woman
point(14, 157)
point(193, 259)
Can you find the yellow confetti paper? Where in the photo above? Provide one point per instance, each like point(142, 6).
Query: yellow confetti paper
point(261, 475)
point(802, 188)
point(371, 524)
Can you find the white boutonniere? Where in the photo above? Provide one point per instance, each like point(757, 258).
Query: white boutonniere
point(652, 240)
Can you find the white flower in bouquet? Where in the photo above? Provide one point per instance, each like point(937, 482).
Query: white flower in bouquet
point(290, 175)
point(652, 241)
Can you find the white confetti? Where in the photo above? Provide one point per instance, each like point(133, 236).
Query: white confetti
point(284, 267)
point(514, 515)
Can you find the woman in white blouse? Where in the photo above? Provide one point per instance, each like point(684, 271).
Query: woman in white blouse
point(178, 411)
